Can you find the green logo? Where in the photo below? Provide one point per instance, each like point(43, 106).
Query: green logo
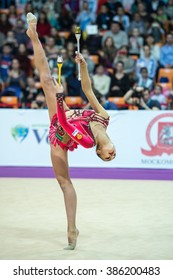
point(19, 132)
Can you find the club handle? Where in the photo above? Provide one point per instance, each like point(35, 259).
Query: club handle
point(78, 35)
point(59, 66)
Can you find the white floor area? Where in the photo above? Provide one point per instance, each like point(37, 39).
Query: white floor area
point(117, 220)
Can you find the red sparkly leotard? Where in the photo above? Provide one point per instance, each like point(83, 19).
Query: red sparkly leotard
point(76, 126)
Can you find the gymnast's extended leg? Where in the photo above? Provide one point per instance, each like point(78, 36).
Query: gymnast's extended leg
point(42, 65)
point(58, 156)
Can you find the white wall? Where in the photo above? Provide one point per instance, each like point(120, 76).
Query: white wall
point(24, 140)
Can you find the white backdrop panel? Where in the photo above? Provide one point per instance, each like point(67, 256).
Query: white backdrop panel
point(24, 140)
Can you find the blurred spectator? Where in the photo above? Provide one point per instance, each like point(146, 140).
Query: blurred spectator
point(37, 4)
point(92, 4)
point(153, 5)
point(127, 4)
point(144, 81)
point(21, 4)
point(160, 97)
point(135, 42)
point(156, 30)
point(120, 82)
point(73, 85)
point(134, 6)
point(4, 4)
point(142, 10)
point(51, 48)
point(71, 7)
point(89, 61)
point(2, 38)
point(113, 6)
point(155, 48)
point(39, 102)
point(11, 40)
point(85, 17)
point(20, 32)
point(169, 9)
point(122, 18)
point(1, 86)
point(5, 61)
point(59, 41)
point(108, 52)
point(161, 16)
point(101, 80)
point(16, 81)
point(138, 23)
point(119, 36)
point(66, 19)
point(69, 66)
point(93, 43)
point(12, 15)
point(165, 90)
point(29, 93)
point(129, 63)
point(5, 25)
point(28, 8)
point(104, 18)
point(107, 105)
point(166, 52)
point(140, 97)
point(111, 44)
point(43, 26)
point(51, 9)
point(22, 57)
point(148, 61)
point(170, 102)
point(70, 47)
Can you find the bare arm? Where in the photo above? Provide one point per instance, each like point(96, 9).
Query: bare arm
point(59, 89)
point(8, 81)
point(139, 101)
point(128, 96)
point(87, 88)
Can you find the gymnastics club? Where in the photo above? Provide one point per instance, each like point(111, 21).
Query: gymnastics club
point(78, 34)
point(59, 65)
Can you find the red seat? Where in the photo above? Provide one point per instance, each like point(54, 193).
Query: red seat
point(119, 101)
point(73, 101)
point(166, 73)
point(9, 101)
point(64, 34)
point(95, 58)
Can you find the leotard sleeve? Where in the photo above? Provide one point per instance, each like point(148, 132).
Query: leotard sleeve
point(74, 131)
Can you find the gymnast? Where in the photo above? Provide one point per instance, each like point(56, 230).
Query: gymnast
point(70, 128)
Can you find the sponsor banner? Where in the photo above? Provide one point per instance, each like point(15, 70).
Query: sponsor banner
point(143, 139)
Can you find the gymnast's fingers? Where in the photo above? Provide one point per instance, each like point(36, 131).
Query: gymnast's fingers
point(58, 86)
point(79, 57)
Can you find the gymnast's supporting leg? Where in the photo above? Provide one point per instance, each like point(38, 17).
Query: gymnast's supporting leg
point(58, 156)
point(60, 165)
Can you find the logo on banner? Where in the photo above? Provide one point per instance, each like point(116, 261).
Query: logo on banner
point(164, 130)
point(19, 132)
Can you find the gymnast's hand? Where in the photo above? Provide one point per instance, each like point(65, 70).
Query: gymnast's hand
point(58, 88)
point(79, 58)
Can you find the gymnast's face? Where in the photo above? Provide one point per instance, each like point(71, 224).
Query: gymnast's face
point(106, 152)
